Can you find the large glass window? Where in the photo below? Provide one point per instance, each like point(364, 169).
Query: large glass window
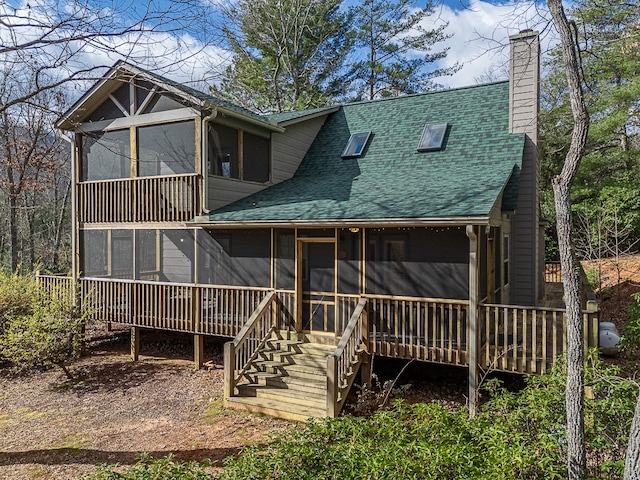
point(106, 155)
point(255, 156)
point(223, 151)
point(166, 149)
point(227, 159)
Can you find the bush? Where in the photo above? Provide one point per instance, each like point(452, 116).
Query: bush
point(517, 435)
point(42, 328)
point(18, 294)
point(630, 339)
point(148, 468)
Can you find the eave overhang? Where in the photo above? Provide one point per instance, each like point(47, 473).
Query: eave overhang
point(202, 221)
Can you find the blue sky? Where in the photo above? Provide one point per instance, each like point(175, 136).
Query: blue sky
point(479, 42)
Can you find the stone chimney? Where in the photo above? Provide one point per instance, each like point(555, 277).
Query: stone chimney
point(524, 99)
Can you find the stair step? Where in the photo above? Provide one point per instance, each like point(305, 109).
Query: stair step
point(318, 386)
point(275, 408)
point(294, 358)
point(298, 397)
point(289, 369)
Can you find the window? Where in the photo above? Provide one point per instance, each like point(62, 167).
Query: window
point(106, 155)
point(166, 149)
point(432, 137)
point(234, 153)
point(356, 145)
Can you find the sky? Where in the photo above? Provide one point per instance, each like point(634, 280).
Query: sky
point(479, 43)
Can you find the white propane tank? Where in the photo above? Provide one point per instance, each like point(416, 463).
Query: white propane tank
point(609, 338)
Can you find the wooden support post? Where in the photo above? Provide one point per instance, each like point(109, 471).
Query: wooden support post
point(229, 369)
point(472, 321)
point(365, 369)
point(332, 386)
point(198, 350)
point(135, 343)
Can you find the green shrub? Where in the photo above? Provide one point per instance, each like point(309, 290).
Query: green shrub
point(18, 294)
point(516, 435)
point(43, 328)
point(147, 468)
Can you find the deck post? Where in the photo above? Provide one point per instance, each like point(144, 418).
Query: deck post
point(135, 343)
point(472, 321)
point(229, 369)
point(198, 350)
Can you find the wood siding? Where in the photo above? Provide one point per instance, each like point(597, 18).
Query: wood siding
point(523, 118)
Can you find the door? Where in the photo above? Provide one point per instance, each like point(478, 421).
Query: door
point(316, 285)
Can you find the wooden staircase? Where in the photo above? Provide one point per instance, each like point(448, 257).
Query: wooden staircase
point(287, 379)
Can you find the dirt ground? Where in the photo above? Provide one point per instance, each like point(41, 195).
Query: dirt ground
point(51, 428)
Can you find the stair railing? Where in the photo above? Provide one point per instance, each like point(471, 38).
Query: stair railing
point(268, 317)
point(343, 364)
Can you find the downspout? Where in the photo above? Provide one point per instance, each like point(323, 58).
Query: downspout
point(74, 220)
point(472, 321)
point(204, 157)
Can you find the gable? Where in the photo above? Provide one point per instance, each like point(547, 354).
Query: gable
point(392, 179)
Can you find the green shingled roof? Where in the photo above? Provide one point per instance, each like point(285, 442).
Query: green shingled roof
point(392, 180)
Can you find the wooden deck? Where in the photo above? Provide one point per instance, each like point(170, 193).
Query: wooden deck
point(510, 338)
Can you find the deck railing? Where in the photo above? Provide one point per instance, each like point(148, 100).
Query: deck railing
point(431, 329)
point(526, 339)
point(204, 309)
point(552, 272)
point(345, 361)
point(510, 338)
point(268, 318)
point(56, 286)
point(144, 199)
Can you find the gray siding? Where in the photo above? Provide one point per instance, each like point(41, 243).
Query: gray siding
point(523, 118)
point(289, 148)
point(287, 151)
point(177, 256)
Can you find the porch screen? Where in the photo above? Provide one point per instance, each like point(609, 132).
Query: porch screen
point(167, 149)
point(348, 262)
point(420, 262)
point(235, 257)
point(285, 259)
point(177, 249)
point(105, 155)
point(93, 253)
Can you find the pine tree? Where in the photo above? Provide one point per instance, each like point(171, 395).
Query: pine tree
point(398, 49)
point(287, 54)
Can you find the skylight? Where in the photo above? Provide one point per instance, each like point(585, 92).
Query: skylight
point(356, 144)
point(432, 136)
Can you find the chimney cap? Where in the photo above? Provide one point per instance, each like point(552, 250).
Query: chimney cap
point(525, 33)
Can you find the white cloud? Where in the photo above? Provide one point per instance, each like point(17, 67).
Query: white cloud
point(480, 38)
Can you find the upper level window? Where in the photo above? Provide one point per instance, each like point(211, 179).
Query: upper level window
point(166, 149)
point(432, 136)
point(234, 153)
point(356, 144)
point(106, 155)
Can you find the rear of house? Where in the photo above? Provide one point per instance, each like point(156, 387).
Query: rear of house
point(405, 227)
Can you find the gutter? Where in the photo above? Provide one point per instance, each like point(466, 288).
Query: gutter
point(203, 221)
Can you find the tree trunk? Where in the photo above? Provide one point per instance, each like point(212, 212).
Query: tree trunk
point(632, 462)
point(13, 230)
point(574, 393)
point(59, 225)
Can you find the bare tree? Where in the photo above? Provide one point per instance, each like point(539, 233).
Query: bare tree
point(574, 394)
point(53, 42)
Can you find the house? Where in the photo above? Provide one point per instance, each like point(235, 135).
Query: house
point(404, 227)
